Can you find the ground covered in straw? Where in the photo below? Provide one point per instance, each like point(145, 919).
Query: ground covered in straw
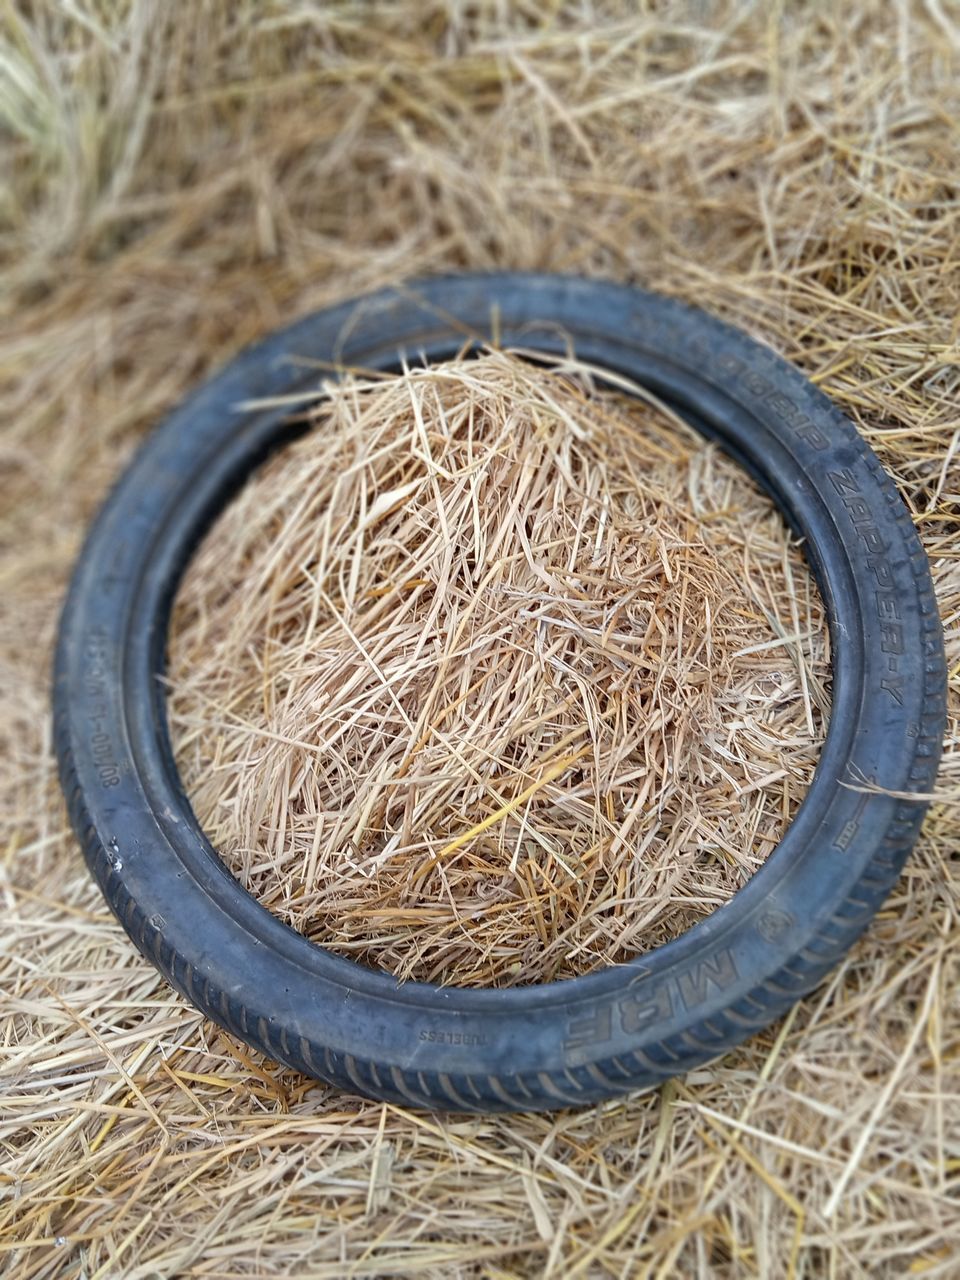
point(182, 179)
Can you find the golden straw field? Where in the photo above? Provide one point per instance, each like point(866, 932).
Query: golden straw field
point(179, 180)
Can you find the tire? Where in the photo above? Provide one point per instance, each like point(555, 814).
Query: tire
point(566, 1043)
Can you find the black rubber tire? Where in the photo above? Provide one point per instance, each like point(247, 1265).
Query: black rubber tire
point(570, 1042)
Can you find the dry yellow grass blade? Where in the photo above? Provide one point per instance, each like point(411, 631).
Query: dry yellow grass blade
point(181, 179)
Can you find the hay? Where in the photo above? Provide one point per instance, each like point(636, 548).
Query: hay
point(493, 679)
point(181, 179)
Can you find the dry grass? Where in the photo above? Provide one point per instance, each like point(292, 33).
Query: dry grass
point(180, 179)
point(493, 678)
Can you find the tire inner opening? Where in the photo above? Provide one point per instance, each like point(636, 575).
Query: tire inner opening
point(496, 676)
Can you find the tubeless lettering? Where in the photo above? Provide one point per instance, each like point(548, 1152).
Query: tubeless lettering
point(100, 743)
point(886, 598)
point(846, 485)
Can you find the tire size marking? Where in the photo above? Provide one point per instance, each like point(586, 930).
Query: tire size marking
point(886, 599)
point(435, 1035)
point(99, 742)
point(648, 1003)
